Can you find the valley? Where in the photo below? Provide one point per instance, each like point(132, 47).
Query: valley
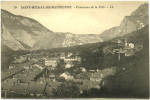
point(75, 65)
point(39, 63)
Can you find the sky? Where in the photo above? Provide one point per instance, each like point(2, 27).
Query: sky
point(75, 20)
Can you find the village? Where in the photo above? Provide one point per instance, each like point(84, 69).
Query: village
point(38, 74)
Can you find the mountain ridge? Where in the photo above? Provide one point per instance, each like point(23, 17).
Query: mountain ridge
point(137, 20)
point(18, 29)
point(23, 33)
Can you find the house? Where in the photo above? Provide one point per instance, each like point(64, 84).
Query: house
point(69, 59)
point(50, 87)
point(83, 69)
point(93, 84)
point(66, 75)
point(72, 58)
point(69, 65)
point(85, 84)
point(21, 59)
point(20, 88)
point(97, 76)
point(51, 62)
point(35, 60)
point(11, 72)
point(36, 88)
point(84, 75)
point(38, 66)
point(77, 58)
point(131, 45)
point(69, 54)
point(91, 70)
point(11, 66)
point(27, 67)
point(52, 76)
point(62, 56)
point(125, 52)
point(30, 75)
point(129, 53)
point(115, 50)
point(128, 45)
point(8, 84)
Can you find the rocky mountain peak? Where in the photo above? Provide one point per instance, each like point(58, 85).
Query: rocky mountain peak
point(141, 11)
point(137, 20)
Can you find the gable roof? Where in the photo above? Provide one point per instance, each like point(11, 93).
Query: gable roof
point(11, 72)
point(20, 87)
point(89, 84)
point(67, 73)
point(36, 87)
point(104, 73)
point(38, 66)
point(8, 84)
point(29, 75)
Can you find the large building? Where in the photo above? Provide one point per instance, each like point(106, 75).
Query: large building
point(128, 45)
point(73, 58)
point(51, 62)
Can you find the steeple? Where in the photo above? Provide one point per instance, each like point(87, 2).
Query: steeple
point(126, 42)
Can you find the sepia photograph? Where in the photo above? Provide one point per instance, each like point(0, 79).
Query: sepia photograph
point(74, 49)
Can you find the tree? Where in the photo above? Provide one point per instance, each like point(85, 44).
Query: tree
point(66, 90)
point(58, 71)
point(61, 64)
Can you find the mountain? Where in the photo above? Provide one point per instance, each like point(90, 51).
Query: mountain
point(22, 33)
point(137, 20)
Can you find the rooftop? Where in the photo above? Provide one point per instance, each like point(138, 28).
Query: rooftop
point(36, 87)
point(38, 66)
point(52, 59)
point(13, 71)
point(8, 84)
point(52, 84)
point(20, 87)
point(67, 73)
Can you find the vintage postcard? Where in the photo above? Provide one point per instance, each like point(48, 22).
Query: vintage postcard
point(74, 49)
